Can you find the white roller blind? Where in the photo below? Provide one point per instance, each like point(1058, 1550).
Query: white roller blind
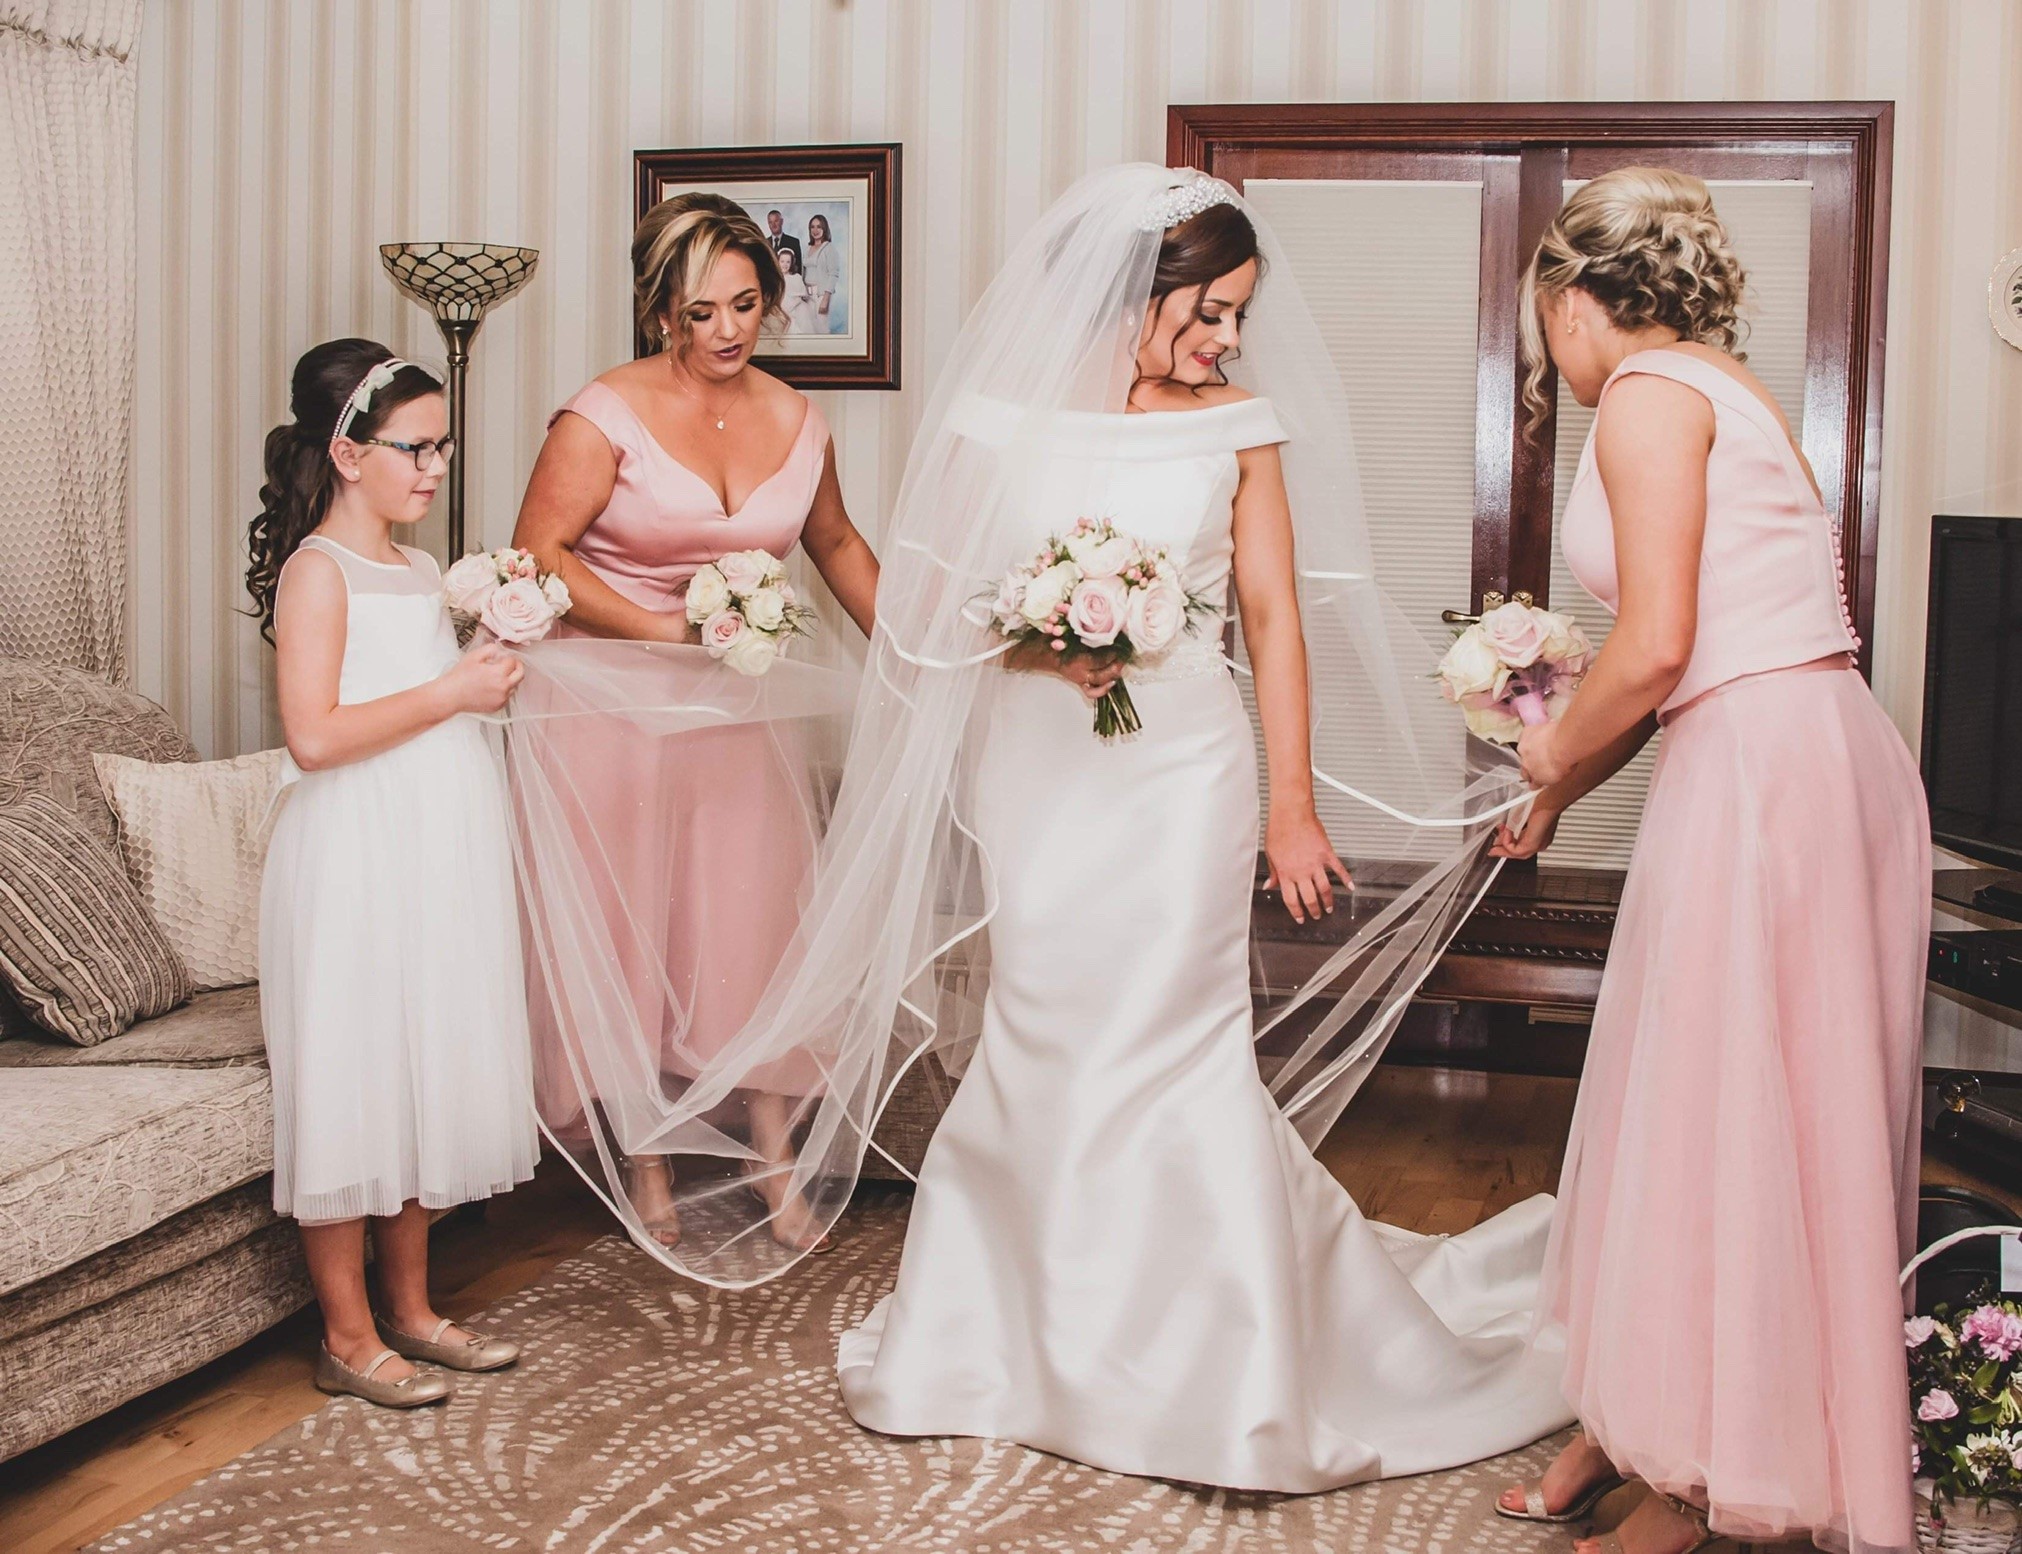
point(1391, 270)
point(1770, 224)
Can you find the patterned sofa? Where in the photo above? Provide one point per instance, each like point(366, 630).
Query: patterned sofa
point(137, 1238)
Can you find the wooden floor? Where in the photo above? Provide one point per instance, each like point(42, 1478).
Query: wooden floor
point(1433, 1150)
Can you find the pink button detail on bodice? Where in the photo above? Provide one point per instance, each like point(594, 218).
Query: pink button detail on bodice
point(664, 520)
point(1771, 594)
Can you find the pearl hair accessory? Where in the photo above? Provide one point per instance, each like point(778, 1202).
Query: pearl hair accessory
point(1193, 193)
point(360, 402)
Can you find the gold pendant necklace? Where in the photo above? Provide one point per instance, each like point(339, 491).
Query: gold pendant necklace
point(682, 385)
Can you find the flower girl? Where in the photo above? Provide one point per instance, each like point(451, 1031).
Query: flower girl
point(390, 980)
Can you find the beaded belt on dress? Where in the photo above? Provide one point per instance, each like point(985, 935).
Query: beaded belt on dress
point(1187, 659)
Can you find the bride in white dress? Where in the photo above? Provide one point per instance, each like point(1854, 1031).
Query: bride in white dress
point(1120, 1250)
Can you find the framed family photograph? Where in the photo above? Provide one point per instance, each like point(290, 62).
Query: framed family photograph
point(831, 217)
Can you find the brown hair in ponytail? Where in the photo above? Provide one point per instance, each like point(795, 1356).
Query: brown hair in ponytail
point(301, 480)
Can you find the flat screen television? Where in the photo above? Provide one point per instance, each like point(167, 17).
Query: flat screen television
point(1973, 688)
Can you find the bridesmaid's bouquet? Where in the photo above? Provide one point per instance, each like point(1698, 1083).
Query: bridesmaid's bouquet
point(1095, 590)
point(506, 592)
point(745, 610)
point(1514, 668)
point(1966, 1412)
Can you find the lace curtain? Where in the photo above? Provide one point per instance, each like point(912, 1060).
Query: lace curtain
point(67, 85)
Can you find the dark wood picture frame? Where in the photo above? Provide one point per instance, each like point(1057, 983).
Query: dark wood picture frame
point(658, 174)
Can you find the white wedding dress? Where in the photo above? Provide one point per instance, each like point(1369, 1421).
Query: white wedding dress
point(1120, 1250)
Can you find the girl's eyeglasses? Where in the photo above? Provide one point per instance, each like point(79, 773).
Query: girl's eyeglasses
point(423, 453)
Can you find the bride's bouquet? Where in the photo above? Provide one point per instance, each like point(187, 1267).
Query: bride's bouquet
point(1514, 668)
point(1095, 590)
point(746, 610)
point(506, 592)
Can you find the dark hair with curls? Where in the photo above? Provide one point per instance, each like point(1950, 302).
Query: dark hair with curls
point(301, 480)
point(1197, 253)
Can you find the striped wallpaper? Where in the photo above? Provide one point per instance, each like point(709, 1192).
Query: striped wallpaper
point(280, 140)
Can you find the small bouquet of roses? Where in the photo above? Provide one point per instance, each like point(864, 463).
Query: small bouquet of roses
point(1965, 1369)
point(1094, 590)
point(1513, 668)
point(506, 592)
point(745, 610)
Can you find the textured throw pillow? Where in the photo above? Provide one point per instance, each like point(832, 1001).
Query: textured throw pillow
point(194, 837)
point(78, 950)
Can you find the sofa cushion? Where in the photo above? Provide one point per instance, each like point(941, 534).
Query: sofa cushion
point(91, 1156)
point(193, 836)
point(53, 719)
point(78, 948)
point(212, 1030)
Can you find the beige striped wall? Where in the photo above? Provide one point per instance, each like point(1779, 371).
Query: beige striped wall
point(281, 139)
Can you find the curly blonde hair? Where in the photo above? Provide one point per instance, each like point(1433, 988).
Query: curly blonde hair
point(677, 244)
point(1645, 243)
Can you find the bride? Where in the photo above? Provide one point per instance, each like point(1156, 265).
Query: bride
point(1121, 1248)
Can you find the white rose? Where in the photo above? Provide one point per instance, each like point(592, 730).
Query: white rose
point(469, 583)
point(1047, 592)
point(1492, 721)
point(1156, 616)
point(517, 612)
point(1081, 543)
point(556, 592)
point(707, 593)
point(746, 571)
point(1517, 632)
point(752, 653)
point(765, 609)
point(1471, 666)
point(1007, 606)
point(1110, 557)
point(1565, 643)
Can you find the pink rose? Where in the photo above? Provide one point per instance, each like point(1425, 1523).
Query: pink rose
point(721, 631)
point(1157, 614)
point(745, 570)
point(517, 611)
point(1096, 610)
point(1517, 633)
point(1919, 1331)
point(1937, 1405)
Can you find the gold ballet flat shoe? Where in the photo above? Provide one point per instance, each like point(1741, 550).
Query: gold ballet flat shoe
point(475, 1353)
point(340, 1380)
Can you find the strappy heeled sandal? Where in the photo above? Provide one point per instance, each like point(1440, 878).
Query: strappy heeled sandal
point(1611, 1543)
point(1578, 1511)
point(825, 1243)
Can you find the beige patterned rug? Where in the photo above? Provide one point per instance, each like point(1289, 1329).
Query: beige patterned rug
point(651, 1414)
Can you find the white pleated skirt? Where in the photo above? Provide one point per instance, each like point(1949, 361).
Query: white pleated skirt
point(391, 987)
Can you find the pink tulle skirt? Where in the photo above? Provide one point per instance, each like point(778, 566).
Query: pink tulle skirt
point(1740, 1187)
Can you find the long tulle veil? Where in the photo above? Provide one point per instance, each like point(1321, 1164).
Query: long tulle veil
point(887, 958)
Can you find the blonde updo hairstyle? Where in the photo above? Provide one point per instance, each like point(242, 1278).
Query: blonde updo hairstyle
point(1646, 244)
point(676, 245)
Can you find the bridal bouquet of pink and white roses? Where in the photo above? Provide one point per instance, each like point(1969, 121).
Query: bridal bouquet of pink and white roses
point(1095, 590)
point(1513, 668)
point(506, 592)
point(745, 610)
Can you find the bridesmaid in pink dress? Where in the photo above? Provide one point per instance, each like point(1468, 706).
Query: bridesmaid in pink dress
point(652, 470)
point(1740, 1187)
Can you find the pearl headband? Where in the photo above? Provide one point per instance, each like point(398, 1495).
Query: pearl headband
point(1182, 201)
point(360, 402)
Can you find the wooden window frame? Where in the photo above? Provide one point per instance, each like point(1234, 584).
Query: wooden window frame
point(1522, 153)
